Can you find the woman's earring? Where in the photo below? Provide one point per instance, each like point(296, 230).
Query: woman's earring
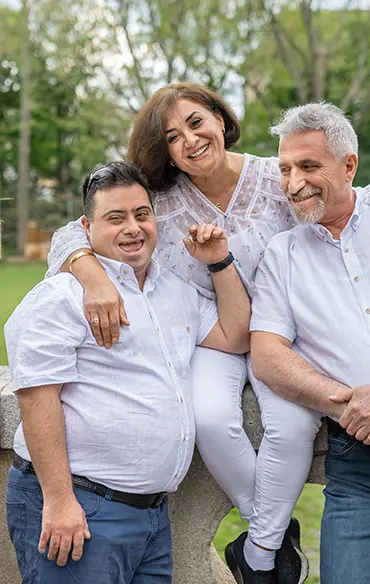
point(172, 163)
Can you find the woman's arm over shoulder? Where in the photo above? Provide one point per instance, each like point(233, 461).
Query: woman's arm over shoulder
point(66, 241)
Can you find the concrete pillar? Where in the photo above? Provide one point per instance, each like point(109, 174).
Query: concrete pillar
point(196, 508)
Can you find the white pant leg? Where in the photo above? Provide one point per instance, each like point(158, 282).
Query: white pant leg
point(218, 382)
point(283, 463)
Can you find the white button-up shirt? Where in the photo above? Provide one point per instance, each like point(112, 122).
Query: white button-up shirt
point(315, 291)
point(128, 410)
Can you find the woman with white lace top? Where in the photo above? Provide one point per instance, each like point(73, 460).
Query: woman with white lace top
point(180, 140)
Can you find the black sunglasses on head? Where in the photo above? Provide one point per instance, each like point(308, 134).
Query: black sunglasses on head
point(98, 174)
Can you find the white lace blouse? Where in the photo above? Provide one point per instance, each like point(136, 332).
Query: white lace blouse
point(257, 211)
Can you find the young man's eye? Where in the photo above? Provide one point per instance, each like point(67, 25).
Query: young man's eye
point(142, 215)
point(284, 170)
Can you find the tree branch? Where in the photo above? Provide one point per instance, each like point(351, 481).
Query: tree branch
point(359, 78)
point(124, 11)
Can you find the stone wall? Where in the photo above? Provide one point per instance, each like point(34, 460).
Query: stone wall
point(196, 508)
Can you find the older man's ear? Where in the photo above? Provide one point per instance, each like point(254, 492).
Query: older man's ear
point(351, 167)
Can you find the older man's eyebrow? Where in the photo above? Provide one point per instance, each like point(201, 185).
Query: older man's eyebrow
point(309, 161)
point(302, 162)
point(187, 119)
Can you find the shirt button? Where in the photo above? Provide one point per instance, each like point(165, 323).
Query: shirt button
point(125, 272)
point(346, 250)
point(119, 278)
point(188, 329)
point(368, 310)
point(356, 279)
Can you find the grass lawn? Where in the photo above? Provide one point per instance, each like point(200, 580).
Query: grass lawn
point(16, 279)
point(308, 511)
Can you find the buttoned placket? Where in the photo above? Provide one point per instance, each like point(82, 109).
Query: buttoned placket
point(183, 417)
point(358, 281)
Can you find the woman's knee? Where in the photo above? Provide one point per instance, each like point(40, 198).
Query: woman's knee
point(297, 426)
point(217, 417)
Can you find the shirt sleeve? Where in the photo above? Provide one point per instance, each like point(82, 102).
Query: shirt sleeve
point(65, 241)
point(271, 311)
point(42, 336)
point(208, 317)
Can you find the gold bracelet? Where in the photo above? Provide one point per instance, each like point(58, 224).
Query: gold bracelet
point(78, 255)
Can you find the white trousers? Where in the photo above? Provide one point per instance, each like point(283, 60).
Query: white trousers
point(265, 489)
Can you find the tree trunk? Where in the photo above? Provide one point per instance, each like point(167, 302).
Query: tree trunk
point(24, 135)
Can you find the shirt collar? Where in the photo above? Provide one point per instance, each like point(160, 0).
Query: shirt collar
point(353, 222)
point(120, 271)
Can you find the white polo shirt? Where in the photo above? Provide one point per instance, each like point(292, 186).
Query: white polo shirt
point(315, 291)
point(128, 410)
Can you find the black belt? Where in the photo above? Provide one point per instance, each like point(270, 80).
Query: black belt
point(132, 499)
point(335, 429)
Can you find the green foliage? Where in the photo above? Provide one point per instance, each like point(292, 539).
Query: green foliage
point(94, 63)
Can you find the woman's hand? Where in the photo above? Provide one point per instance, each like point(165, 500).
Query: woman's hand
point(207, 243)
point(105, 311)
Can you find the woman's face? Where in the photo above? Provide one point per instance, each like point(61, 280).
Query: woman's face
point(195, 138)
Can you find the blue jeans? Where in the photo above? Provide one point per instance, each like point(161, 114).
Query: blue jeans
point(127, 545)
point(345, 529)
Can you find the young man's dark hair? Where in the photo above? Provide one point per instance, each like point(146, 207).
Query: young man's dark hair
point(114, 174)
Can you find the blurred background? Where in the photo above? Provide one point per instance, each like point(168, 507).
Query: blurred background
point(73, 74)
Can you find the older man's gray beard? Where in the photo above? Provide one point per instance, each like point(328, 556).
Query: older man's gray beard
point(308, 215)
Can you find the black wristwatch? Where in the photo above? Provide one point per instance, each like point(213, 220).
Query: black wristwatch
point(219, 266)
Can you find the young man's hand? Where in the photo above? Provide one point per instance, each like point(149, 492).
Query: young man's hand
point(64, 528)
point(207, 243)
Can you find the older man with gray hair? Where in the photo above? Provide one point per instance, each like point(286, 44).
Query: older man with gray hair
point(311, 320)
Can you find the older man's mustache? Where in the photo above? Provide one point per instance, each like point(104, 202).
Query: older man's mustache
point(304, 194)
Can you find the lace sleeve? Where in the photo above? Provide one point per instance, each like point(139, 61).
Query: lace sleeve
point(65, 241)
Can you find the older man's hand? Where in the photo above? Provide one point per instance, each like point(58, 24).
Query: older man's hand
point(356, 416)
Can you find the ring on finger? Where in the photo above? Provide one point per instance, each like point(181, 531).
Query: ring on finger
point(94, 321)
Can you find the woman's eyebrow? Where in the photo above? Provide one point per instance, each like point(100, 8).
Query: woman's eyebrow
point(187, 119)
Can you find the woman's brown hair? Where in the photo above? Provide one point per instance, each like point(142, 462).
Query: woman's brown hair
point(148, 147)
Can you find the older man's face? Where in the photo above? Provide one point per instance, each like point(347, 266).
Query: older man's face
point(312, 180)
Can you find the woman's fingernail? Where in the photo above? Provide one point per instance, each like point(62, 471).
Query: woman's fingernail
point(114, 340)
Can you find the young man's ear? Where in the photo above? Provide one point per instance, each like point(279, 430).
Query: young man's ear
point(86, 223)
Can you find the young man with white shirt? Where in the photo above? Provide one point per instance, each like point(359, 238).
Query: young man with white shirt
point(106, 434)
point(311, 322)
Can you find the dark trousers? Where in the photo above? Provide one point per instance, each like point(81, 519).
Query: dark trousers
point(127, 545)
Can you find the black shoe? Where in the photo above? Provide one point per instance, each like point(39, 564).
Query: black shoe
point(243, 574)
point(291, 564)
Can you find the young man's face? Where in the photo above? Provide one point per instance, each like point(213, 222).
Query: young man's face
point(123, 227)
